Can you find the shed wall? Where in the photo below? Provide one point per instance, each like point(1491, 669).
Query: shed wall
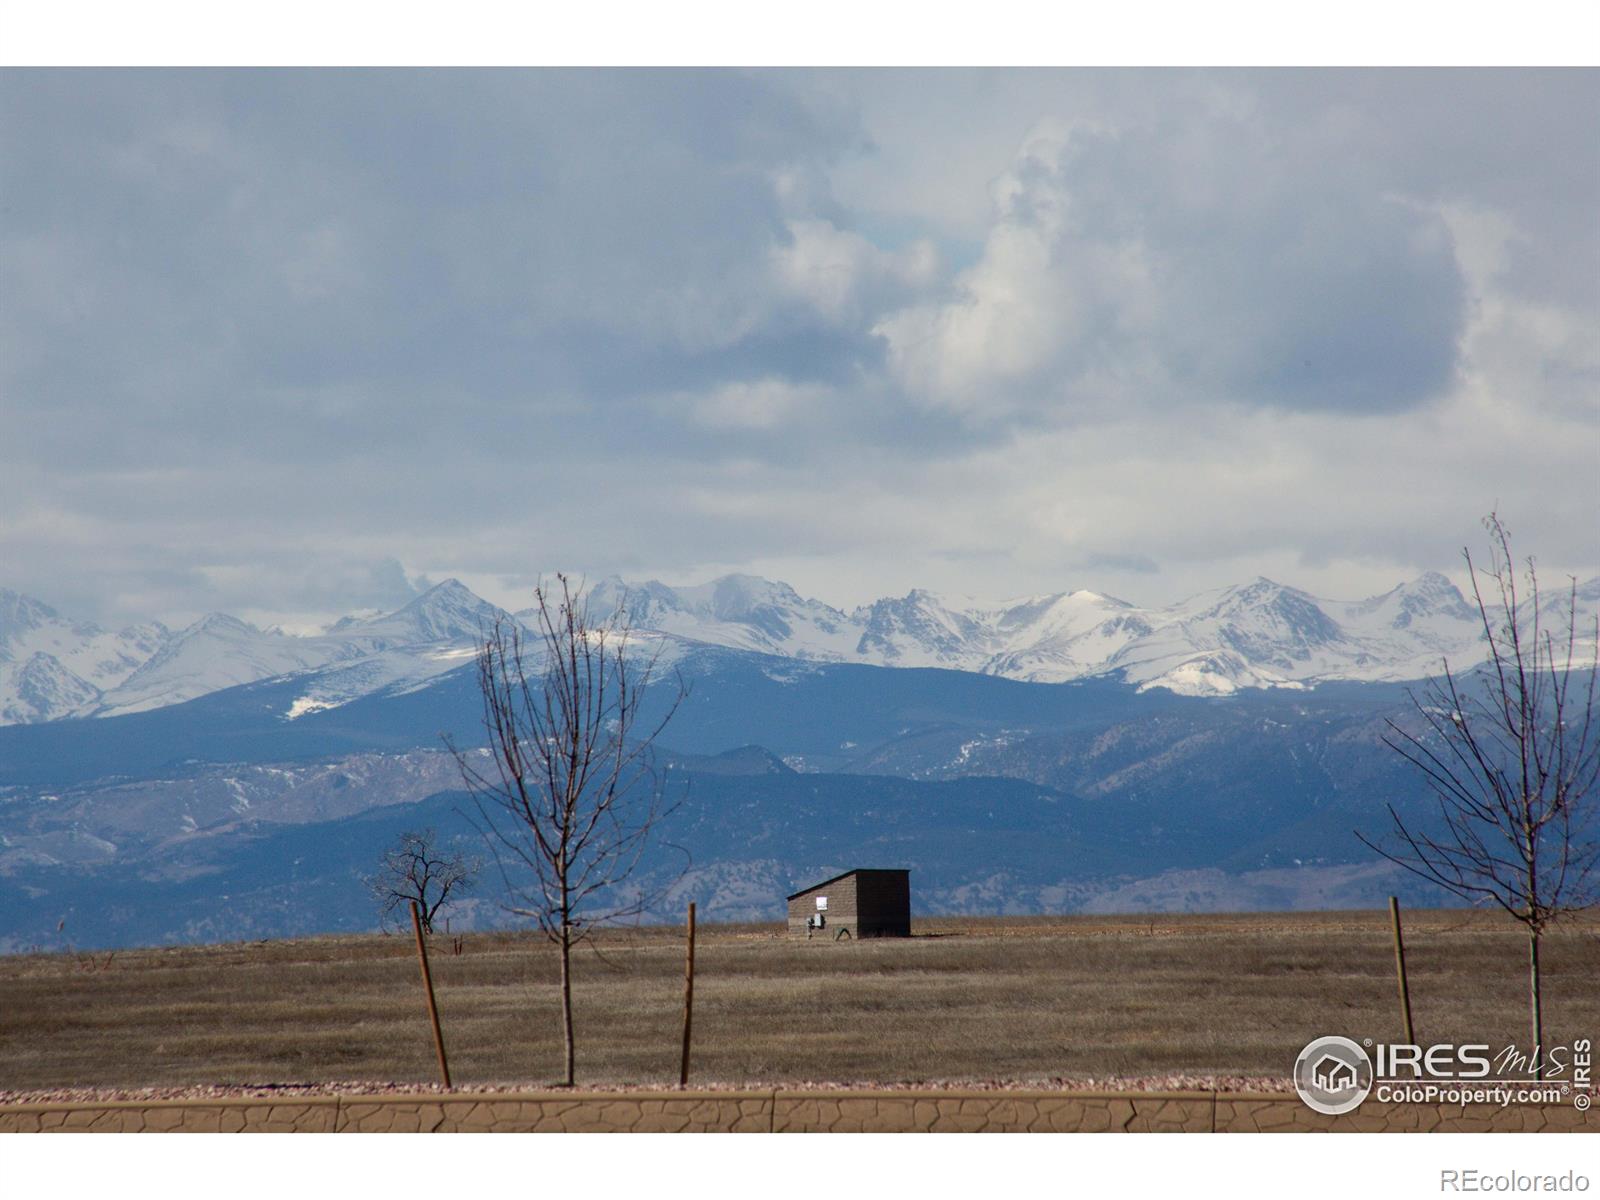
point(883, 904)
point(866, 903)
point(841, 914)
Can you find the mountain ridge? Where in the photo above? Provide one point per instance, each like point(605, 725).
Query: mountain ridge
point(1259, 634)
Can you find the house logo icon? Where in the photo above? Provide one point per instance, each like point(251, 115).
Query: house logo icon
point(1333, 1075)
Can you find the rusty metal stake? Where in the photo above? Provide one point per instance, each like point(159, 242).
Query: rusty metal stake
point(688, 1003)
point(1400, 968)
point(427, 984)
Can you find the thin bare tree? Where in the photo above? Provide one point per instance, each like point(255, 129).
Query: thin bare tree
point(414, 868)
point(1512, 754)
point(567, 789)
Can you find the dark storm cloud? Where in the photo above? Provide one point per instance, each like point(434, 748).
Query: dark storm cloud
point(267, 335)
point(311, 251)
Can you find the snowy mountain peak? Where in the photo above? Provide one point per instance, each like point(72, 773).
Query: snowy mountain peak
point(1432, 582)
point(1261, 590)
point(1429, 594)
point(1265, 623)
point(734, 597)
point(1429, 598)
point(220, 625)
point(640, 601)
point(919, 630)
point(450, 591)
point(447, 612)
point(743, 611)
point(451, 600)
point(43, 689)
point(19, 614)
point(738, 598)
point(52, 667)
point(1431, 588)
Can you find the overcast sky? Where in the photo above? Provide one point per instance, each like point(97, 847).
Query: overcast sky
point(284, 343)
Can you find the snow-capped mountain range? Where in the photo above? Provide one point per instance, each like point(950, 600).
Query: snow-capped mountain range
point(52, 668)
point(1258, 634)
point(1254, 635)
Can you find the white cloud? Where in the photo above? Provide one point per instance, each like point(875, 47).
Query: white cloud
point(1518, 351)
point(843, 276)
point(756, 404)
point(1193, 260)
point(865, 330)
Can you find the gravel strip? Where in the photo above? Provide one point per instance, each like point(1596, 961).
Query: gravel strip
point(367, 1087)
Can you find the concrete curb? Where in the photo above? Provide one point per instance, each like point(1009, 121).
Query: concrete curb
point(767, 1111)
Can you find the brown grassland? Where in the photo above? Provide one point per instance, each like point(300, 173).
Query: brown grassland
point(1017, 999)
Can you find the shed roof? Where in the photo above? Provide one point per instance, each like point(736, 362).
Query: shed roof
point(852, 871)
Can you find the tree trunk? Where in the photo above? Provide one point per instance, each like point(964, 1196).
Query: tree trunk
point(1533, 1000)
point(566, 1003)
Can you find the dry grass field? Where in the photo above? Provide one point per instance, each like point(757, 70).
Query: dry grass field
point(965, 999)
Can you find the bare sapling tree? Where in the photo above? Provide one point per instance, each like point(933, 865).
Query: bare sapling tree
point(415, 868)
point(567, 789)
point(1511, 752)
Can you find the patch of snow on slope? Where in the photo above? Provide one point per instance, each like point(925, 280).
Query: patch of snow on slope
point(308, 704)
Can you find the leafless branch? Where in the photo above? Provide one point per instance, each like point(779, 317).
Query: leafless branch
point(568, 794)
point(1512, 754)
point(414, 868)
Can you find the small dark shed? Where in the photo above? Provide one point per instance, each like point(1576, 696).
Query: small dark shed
point(866, 902)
